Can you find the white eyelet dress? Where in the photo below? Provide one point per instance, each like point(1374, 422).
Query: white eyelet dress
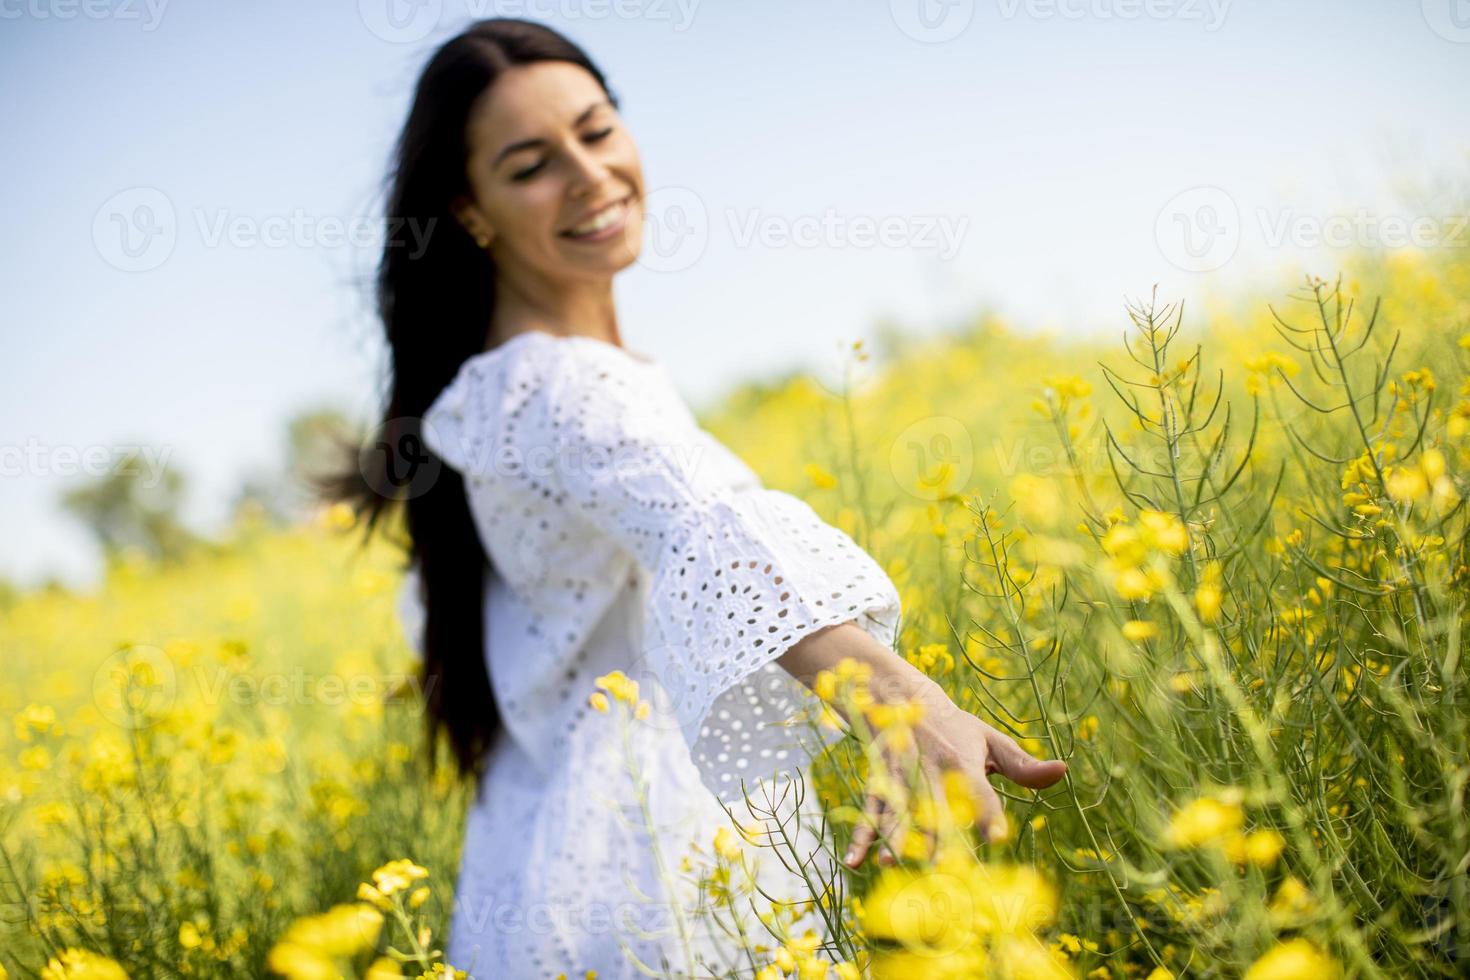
point(623, 536)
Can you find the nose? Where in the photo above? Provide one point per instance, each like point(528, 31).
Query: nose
point(588, 172)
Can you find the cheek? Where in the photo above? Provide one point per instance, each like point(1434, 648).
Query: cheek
point(528, 213)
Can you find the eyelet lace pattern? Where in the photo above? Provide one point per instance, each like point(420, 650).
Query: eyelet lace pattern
point(624, 537)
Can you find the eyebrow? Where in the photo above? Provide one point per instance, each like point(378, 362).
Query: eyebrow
point(533, 143)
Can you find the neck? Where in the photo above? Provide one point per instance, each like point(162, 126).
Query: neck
point(586, 309)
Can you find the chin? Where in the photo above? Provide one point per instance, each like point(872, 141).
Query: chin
point(618, 254)
point(602, 266)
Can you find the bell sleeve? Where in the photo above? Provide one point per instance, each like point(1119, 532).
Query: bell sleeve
point(737, 574)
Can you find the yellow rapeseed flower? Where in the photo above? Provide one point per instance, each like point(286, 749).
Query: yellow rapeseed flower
point(820, 478)
point(620, 686)
point(1209, 596)
point(1164, 532)
point(1123, 542)
point(1037, 498)
point(395, 876)
point(956, 903)
point(301, 962)
point(825, 686)
point(1432, 464)
point(338, 517)
point(79, 964)
point(36, 719)
point(1023, 957)
point(367, 893)
point(383, 968)
point(1295, 959)
point(1259, 847)
point(1139, 629)
point(341, 931)
point(896, 720)
point(1204, 821)
point(1133, 583)
point(1067, 387)
point(1291, 903)
point(1405, 483)
point(725, 845)
point(933, 658)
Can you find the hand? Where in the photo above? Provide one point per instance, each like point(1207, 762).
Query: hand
point(949, 738)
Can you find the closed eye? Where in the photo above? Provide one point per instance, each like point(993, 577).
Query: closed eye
point(531, 171)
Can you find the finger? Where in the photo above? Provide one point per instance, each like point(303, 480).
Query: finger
point(888, 830)
point(992, 820)
point(1020, 766)
point(866, 830)
point(934, 786)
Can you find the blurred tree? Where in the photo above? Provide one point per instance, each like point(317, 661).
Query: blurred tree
point(314, 439)
point(262, 499)
point(132, 507)
point(276, 497)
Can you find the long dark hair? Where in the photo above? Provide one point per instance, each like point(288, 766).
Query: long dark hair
point(435, 296)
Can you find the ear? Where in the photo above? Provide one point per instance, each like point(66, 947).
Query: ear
point(469, 217)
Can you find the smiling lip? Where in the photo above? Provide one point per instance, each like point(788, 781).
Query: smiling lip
point(602, 233)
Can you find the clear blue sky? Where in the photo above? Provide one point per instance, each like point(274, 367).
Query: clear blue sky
point(1053, 136)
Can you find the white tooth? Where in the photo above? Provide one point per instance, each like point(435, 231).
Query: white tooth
point(606, 218)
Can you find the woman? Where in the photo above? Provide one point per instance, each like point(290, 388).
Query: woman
point(573, 521)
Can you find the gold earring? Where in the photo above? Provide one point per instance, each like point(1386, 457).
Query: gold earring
point(482, 240)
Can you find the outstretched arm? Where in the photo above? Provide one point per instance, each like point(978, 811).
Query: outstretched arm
point(947, 737)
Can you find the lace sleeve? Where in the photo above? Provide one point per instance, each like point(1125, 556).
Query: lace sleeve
point(410, 609)
point(737, 577)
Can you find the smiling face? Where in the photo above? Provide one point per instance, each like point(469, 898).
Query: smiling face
point(556, 180)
